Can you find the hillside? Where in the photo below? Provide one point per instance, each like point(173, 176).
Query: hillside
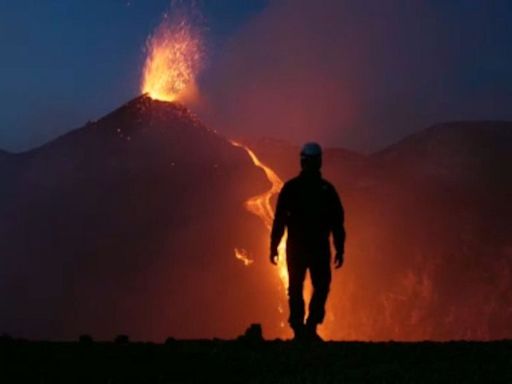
point(429, 252)
point(128, 225)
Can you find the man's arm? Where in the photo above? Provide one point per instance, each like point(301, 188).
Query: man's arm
point(338, 228)
point(278, 226)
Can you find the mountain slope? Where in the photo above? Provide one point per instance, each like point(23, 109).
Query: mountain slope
point(472, 153)
point(429, 251)
point(128, 225)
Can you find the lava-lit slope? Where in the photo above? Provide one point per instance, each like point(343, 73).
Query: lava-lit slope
point(429, 251)
point(128, 225)
point(284, 159)
point(440, 219)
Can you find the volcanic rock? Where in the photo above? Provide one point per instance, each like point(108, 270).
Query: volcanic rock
point(253, 334)
point(128, 223)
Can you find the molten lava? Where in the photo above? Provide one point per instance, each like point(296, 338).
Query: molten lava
point(174, 57)
point(243, 256)
point(260, 206)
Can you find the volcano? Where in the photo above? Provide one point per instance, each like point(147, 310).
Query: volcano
point(128, 225)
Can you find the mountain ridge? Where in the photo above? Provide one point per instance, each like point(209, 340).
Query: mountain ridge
point(107, 218)
point(128, 225)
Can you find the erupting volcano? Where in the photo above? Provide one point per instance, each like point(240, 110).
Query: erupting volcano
point(174, 59)
point(128, 225)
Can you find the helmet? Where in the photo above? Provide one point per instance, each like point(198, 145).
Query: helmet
point(311, 157)
point(311, 150)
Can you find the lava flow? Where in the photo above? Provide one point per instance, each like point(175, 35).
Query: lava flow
point(260, 205)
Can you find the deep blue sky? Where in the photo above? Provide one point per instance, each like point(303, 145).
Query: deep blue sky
point(63, 62)
point(356, 73)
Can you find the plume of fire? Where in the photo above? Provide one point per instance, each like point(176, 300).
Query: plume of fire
point(174, 58)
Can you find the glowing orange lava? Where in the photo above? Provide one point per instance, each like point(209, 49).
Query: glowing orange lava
point(173, 60)
point(243, 256)
point(260, 206)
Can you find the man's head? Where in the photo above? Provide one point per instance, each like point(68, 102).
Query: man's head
point(311, 157)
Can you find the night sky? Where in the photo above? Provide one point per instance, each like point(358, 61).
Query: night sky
point(64, 62)
point(361, 73)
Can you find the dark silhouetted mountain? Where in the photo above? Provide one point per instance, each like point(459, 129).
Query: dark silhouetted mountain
point(472, 153)
point(4, 158)
point(128, 225)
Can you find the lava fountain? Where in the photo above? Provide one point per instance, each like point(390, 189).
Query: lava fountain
point(174, 57)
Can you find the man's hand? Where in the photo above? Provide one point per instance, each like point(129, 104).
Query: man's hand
point(338, 260)
point(274, 256)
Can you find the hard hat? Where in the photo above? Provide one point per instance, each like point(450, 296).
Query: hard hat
point(311, 150)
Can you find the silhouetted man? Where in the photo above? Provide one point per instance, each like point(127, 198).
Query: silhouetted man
point(309, 208)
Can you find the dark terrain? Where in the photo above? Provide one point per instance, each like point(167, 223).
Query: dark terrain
point(429, 223)
point(128, 225)
point(107, 228)
point(265, 362)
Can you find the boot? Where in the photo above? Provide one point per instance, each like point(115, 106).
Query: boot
point(299, 333)
point(311, 333)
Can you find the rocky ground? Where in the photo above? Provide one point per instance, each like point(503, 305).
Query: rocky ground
point(248, 361)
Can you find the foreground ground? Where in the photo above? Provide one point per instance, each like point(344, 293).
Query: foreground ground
point(264, 362)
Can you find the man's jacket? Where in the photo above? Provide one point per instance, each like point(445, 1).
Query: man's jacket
point(310, 209)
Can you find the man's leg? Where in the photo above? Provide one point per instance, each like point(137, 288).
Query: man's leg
point(296, 275)
point(320, 271)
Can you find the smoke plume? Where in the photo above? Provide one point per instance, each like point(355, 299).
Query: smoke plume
point(360, 74)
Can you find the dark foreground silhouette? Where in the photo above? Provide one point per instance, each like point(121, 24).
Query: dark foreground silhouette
point(244, 361)
point(309, 208)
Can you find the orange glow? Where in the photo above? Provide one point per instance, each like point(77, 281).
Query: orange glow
point(260, 206)
point(243, 256)
point(174, 56)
